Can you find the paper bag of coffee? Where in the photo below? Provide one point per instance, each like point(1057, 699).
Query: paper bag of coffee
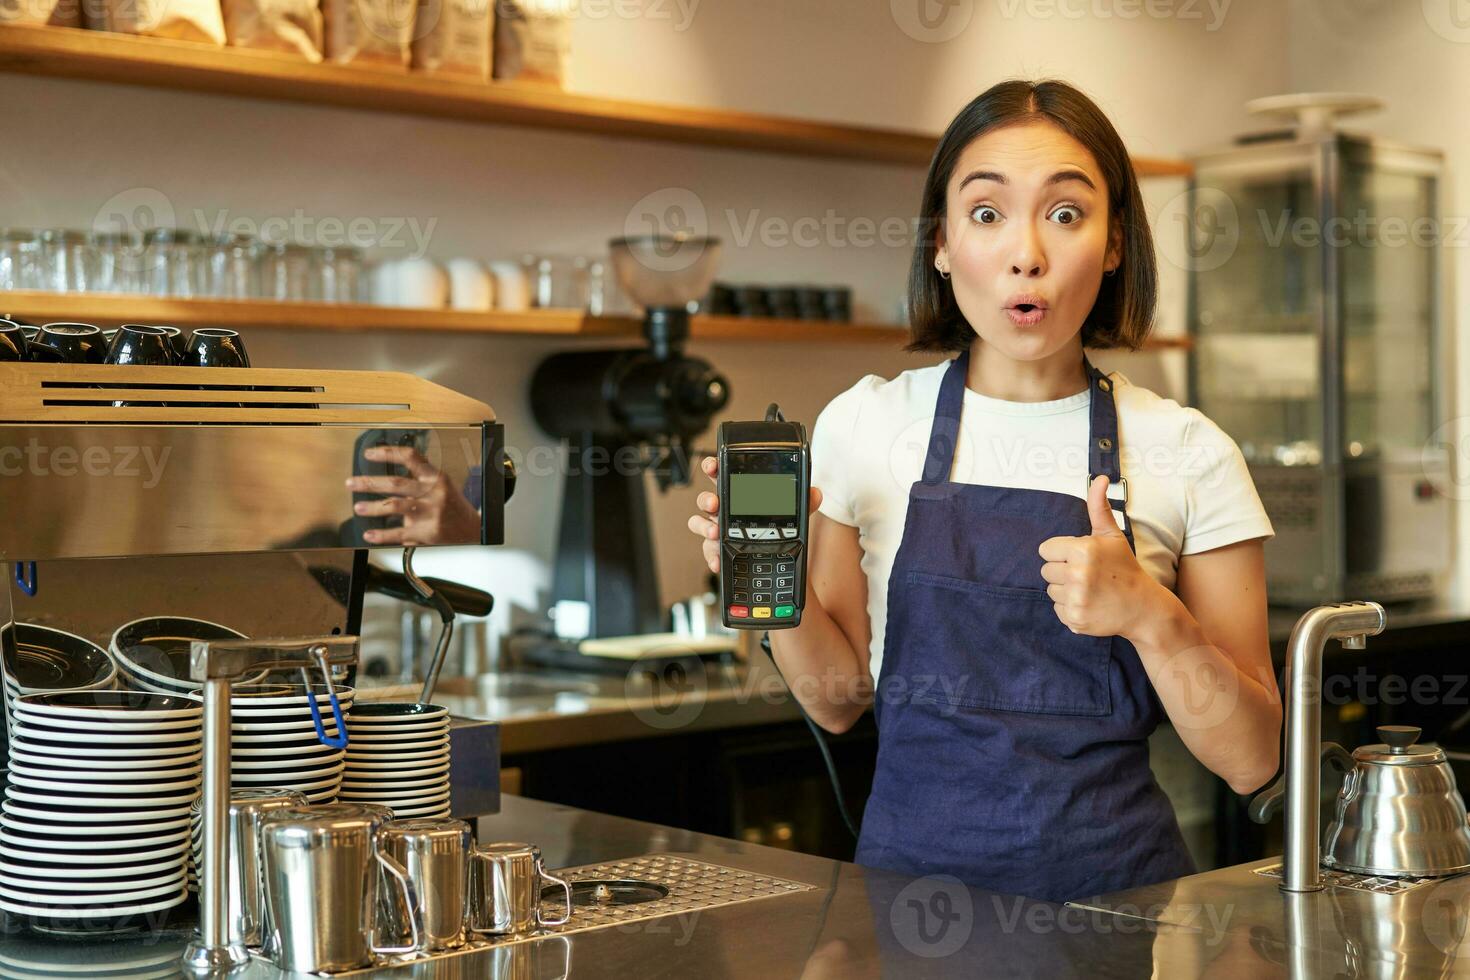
point(182, 20)
point(454, 37)
point(52, 13)
point(375, 32)
point(533, 40)
point(294, 26)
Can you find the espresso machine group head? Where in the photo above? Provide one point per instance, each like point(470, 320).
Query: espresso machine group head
point(624, 412)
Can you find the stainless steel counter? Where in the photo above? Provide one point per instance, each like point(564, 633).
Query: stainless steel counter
point(859, 923)
point(1338, 932)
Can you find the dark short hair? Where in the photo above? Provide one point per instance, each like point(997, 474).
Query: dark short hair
point(1123, 314)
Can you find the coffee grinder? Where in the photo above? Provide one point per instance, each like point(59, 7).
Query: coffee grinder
point(623, 412)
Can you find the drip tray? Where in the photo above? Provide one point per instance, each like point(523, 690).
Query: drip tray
point(1381, 884)
point(647, 887)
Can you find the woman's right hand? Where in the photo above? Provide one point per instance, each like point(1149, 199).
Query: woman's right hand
point(708, 528)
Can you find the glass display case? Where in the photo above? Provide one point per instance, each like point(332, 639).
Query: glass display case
point(1314, 306)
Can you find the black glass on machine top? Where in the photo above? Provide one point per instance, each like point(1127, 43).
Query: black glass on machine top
point(141, 344)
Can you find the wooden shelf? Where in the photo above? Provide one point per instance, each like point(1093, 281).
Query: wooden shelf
point(125, 59)
point(108, 311)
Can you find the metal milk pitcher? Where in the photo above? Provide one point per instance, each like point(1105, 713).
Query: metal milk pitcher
point(321, 868)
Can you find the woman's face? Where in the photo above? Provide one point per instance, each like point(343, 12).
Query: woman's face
point(1026, 238)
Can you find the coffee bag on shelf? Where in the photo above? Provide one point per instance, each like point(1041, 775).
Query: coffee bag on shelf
point(370, 32)
point(181, 20)
point(45, 13)
point(294, 26)
point(453, 37)
point(533, 40)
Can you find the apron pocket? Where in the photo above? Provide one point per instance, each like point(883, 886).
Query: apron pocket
point(988, 646)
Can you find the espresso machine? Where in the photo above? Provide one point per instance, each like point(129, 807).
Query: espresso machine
point(219, 494)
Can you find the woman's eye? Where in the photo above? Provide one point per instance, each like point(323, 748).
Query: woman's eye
point(985, 215)
point(1067, 214)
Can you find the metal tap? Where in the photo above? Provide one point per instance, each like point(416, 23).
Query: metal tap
point(1352, 623)
point(218, 664)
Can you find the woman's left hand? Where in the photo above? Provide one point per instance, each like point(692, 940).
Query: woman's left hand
point(1095, 582)
point(432, 509)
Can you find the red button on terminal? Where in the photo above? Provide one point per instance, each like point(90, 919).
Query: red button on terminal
point(739, 612)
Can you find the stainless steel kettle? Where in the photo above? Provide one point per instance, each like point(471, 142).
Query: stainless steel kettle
point(1398, 813)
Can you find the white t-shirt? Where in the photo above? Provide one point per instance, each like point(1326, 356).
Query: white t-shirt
point(1188, 486)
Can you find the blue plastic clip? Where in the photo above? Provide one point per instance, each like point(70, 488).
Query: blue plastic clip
point(340, 742)
point(25, 577)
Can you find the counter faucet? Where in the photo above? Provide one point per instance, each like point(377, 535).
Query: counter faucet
point(1352, 623)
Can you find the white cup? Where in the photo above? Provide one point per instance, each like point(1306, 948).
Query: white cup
point(512, 291)
point(470, 285)
point(422, 284)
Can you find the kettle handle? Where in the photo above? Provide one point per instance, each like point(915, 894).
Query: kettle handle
point(1268, 801)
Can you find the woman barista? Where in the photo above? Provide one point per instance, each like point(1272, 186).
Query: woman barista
point(1068, 561)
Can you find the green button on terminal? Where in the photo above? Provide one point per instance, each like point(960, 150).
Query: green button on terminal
point(782, 612)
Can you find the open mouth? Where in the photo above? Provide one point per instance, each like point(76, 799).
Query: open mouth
point(1025, 310)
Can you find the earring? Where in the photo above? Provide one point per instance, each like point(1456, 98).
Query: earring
point(943, 273)
point(1110, 272)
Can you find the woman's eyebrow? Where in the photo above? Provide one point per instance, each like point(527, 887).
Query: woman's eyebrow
point(1061, 176)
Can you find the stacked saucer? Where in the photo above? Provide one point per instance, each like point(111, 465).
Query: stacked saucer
point(39, 659)
point(274, 742)
point(153, 653)
point(398, 757)
point(94, 826)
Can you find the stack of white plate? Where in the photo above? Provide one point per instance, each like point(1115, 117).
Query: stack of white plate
point(40, 659)
point(94, 826)
point(398, 756)
point(152, 654)
point(273, 740)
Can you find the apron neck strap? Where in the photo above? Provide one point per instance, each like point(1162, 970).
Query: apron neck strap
point(945, 432)
point(1102, 440)
point(1102, 437)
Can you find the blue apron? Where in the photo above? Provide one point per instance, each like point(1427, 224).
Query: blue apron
point(1012, 752)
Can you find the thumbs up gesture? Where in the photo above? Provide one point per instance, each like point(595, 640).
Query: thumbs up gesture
point(1096, 584)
